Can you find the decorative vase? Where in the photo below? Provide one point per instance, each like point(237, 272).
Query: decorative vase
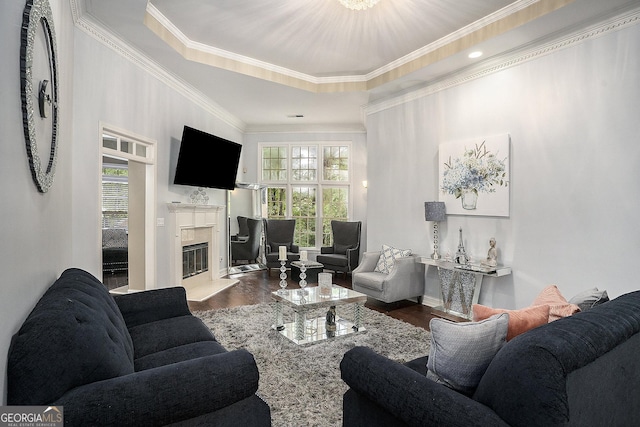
point(469, 199)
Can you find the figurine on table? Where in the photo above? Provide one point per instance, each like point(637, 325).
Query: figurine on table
point(492, 255)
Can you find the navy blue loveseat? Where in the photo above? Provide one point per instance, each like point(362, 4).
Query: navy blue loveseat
point(136, 359)
point(582, 370)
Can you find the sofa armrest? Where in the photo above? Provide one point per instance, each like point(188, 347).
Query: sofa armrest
point(404, 270)
point(368, 262)
point(148, 306)
point(408, 395)
point(165, 394)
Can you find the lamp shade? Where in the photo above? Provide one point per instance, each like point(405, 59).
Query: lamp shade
point(434, 211)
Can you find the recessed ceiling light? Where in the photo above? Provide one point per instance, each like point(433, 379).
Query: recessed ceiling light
point(476, 54)
point(295, 116)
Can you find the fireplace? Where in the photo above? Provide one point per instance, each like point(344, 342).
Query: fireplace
point(195, 259)
point(195, 254)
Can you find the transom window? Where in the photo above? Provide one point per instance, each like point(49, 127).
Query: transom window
point(309, 183)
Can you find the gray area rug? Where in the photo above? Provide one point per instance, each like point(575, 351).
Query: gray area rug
point(302, 384)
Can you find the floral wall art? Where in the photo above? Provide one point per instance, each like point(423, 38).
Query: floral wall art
point(474, 176)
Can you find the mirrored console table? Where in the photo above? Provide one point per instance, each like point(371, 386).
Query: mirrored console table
point(460, 284)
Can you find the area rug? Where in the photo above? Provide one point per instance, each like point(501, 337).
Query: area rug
point(302, 384)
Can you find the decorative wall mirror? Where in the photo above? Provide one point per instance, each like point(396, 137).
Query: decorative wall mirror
point(39, 91)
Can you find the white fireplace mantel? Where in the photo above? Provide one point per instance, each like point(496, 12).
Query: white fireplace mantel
point(190, 223)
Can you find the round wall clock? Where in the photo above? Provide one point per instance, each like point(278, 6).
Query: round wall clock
point(39, 91)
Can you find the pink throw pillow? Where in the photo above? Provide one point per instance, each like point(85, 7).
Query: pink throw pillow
point(519, 320)
point(558, 306)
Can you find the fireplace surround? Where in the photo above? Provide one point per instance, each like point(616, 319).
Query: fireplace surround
point(196, 228)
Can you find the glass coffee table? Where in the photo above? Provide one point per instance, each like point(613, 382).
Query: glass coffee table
point(304, 330)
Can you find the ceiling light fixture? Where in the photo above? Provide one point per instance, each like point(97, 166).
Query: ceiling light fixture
point(358, 4)
point(476, 54)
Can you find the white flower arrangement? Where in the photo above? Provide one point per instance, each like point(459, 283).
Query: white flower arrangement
point(478, 170)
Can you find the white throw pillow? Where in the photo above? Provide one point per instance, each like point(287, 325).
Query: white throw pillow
point(388, 258)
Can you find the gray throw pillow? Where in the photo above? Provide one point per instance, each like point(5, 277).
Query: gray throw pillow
point(461, 352)
point(589, 298)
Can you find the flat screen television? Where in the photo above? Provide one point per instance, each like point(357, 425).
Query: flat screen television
point(207, 160)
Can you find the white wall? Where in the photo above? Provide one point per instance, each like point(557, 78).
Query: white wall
point(36, 244)
point(573, 120)
point(111, 89)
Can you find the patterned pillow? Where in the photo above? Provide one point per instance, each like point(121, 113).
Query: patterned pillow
point(461, 352)
point(388, 258)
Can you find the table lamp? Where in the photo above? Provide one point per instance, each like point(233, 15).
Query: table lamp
point(434, 211)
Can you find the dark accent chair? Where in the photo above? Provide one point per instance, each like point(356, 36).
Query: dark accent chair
point(243, 228)
point(582, 370)
point(129, 360)
point(279, 232)
point(248, 249)
point(344, 255)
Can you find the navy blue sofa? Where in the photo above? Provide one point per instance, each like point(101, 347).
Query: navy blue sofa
point(135, 359)
point(582, 370)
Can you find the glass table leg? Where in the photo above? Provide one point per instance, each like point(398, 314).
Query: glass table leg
point(278, 322)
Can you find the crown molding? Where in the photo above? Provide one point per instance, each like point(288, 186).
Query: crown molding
point(505, 19)
point(517, 57)
point(94, 29)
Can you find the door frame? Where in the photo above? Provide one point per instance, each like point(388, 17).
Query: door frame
point(140, 152)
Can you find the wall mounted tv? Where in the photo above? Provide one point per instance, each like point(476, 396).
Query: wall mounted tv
point(207, 160)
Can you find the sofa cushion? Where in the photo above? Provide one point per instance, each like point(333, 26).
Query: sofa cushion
point(589, 298)
point(333, 259)
point(275, 247)
point(388, 257)
point(75, 335)
point(520, 321)
point(461, 352)
point(558, 305)
point(164, 334)
point(371, 279)
point(341, 249)
point(178, 354)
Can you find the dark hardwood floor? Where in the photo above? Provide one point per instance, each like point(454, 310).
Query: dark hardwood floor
point(256, 287)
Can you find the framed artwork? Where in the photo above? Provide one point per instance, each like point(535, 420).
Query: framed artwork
point(474, 176)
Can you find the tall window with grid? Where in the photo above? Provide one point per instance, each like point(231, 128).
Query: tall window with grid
point(310, 183)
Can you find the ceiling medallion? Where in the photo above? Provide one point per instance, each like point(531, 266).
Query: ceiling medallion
point(358, 4)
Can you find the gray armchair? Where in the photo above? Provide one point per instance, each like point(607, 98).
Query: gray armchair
point(279, 232)
point(248, 249)
point(344, 255)
point(405, 280)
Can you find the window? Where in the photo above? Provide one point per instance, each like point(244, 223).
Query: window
point(115, 194)
point(309, 183)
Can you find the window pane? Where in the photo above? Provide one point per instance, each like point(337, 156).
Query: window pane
point(274, 164)
point(276, 203)
point(304, 212)
point(115, 196)
point(336, 163)
point(109, 141)
point(334, 206)
point(141, 150)
point(304, 163)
